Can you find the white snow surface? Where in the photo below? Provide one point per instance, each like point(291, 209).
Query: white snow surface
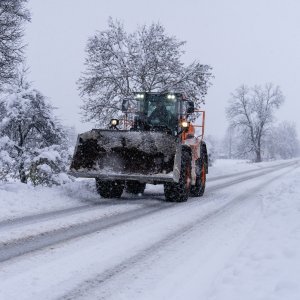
point(18, 199)
point(238, 242)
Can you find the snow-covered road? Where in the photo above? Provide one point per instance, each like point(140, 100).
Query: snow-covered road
point(145, 248)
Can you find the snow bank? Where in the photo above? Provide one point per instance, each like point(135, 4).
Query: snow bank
point(18, 199)
point(268, 264)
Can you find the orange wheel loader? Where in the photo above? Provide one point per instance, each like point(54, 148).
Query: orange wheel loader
point(157, 144)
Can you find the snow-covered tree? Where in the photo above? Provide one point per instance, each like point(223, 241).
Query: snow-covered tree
point(71, 135)
point(32, 141)
point(282, 141)
point(235, 144)
point(251, 112)
point(119, 63)
point(6, 161)
point(229, 143)
point(13, 14)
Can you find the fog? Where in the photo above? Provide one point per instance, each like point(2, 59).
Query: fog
point(246, 42)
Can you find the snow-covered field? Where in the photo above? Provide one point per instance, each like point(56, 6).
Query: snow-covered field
point(239, 241)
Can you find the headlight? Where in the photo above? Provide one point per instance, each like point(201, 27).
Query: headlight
point(184, 124)
point(170, 97)
point(114, 122)
point(139, 96)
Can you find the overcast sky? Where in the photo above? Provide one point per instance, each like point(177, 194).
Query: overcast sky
point(246, 42)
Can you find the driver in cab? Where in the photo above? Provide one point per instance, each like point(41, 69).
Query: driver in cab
point(160, 115)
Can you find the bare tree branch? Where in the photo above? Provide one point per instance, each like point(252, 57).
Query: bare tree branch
point(12, 16)
point(252, 110)
point(119, 63)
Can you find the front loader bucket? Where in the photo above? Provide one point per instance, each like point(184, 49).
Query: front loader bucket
point(126, 155)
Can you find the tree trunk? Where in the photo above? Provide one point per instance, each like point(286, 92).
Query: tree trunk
point(258, 156)
point(258, 149)
point(22, 173)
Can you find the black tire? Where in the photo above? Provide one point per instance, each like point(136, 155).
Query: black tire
point(179, 192)
point(135, 187)
point(198, 189)
point(109, 188)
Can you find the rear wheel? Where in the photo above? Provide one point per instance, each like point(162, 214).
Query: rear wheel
point(198, 189)
point(109, 188)
point(135, 187)
point(179, 192)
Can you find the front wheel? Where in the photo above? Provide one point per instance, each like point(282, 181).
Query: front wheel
point(109, 188)
point(179, 192)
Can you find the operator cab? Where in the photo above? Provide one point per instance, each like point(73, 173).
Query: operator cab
point(159, 111)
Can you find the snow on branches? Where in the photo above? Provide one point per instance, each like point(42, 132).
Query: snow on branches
point(119, 63)
point(251, 112)
point(33, 144)
point(282, 141)
point(253, 132)
point(12, 16)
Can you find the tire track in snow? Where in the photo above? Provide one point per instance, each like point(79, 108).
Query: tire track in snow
point(250, 171)
point(52, 215)
point(55, 214)
point(98, 282)
point(249, 177)
point(20, 247)
point(31, 219)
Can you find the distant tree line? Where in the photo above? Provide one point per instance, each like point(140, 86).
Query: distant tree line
point(253, 132)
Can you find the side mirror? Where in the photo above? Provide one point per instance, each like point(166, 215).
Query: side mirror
point(125, 105)
point(190, 107)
